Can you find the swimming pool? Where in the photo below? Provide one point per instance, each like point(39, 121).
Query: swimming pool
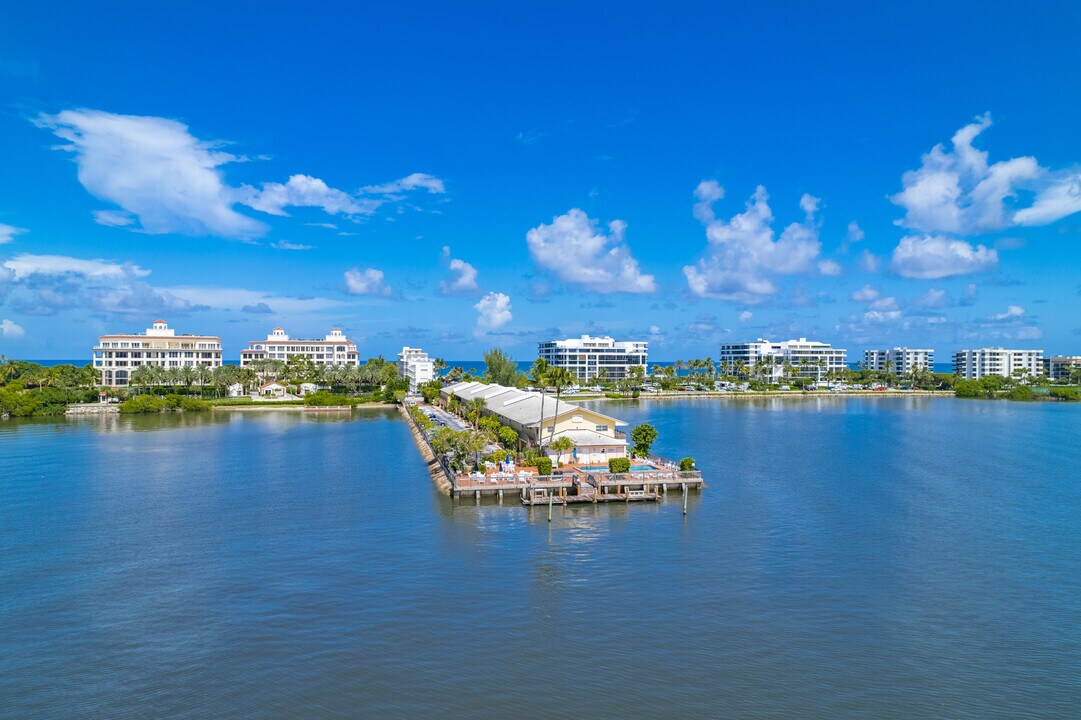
point(604, 468)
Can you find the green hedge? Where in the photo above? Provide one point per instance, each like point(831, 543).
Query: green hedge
point(686, 464)
point(619, 465)
point(1065, 393)
point(153, 404)
point(544, 466)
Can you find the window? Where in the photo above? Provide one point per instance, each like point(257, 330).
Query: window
point(602, 428)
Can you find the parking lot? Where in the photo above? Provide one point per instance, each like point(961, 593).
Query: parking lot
point(442, 417)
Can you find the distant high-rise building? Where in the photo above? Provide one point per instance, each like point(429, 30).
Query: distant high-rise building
point(902, 360)
point(1058, 367)
point(809, 358)
point(334, 349)
point(116, 356)
point(589, 357)
point(975, 364)
point(414, 364)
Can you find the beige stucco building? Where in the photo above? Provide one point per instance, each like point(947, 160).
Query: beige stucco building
point(116, 356)
point(334, 349)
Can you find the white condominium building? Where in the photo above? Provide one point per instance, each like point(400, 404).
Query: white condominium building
point(588, 356)
point(414, 364)
point(902, 360)
point(974, 364)
point(1059, 366)
point(334, 349)
point(810, 358)
point(116, 356)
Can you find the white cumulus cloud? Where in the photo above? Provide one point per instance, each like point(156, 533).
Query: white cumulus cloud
point(161, 176)
point(743, 255)
point(830, 268)
point(579, 252)
point(368, 281)
point(306, 191)
point(165, 180)
point(745, 316)
point(1012, 312)
point(463, 280)
point(493, 312)
point(932, 257)
point(26, 265)
point(415, 181)
point(8, 233)
point(934, 297)
point(11, 330)
point(957, 190)
point(865, 294)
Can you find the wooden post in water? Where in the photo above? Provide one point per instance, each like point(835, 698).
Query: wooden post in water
point(550, 507)
point(684, 498)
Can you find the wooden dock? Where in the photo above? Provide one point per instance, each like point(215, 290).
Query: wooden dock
point(579, 487)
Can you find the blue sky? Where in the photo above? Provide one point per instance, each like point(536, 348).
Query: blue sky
point(463, 177)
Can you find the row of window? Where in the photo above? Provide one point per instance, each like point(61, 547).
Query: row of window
point(302, 348)
point(182, 345)
point(151, 355)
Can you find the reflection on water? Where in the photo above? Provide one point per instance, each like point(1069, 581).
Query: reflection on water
point(875, 557)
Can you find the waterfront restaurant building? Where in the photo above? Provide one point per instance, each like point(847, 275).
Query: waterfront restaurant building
point(810, 358)
point(974, 364)
point(334, 349)
point(595, 437)
point(903, 360)
point(116, 356)
point(414, 364)
point(587, 356)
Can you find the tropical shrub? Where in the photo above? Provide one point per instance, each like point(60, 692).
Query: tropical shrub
point(322, 398)
point(544, 466)
point(686, 464)
point(644, 436)
point(619, 465)
point(1065, 393)
point(1020, 393)
point(143, 404)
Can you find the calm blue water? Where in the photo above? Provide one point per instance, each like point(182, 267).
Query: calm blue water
point(863, 558)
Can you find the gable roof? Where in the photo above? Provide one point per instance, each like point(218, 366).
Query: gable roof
point(520, 406)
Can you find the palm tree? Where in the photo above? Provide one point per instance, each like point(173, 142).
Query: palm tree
point(141, 377)
point(788, 369)
point(562, 445)
point(559, 378)
point(247, 377)
point(475, 408)
point(539, 374)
